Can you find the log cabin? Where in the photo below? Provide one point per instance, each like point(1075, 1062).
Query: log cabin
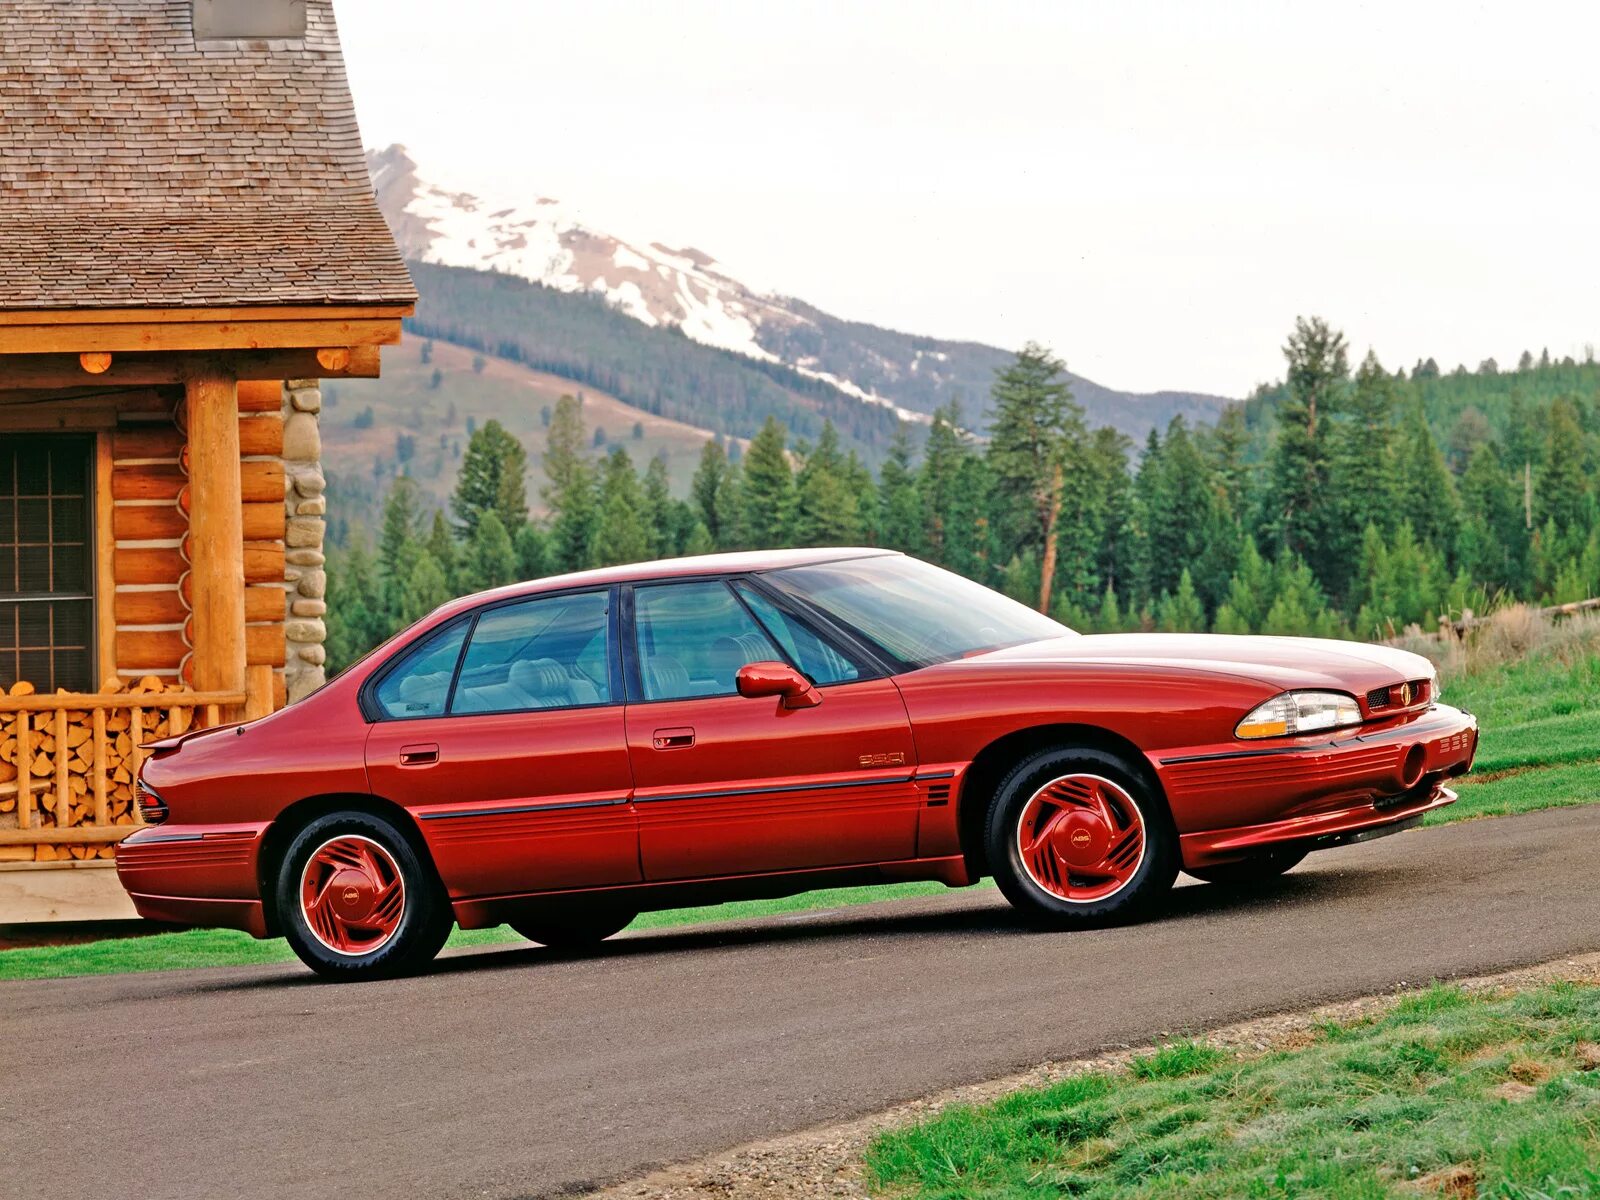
point(189, 243)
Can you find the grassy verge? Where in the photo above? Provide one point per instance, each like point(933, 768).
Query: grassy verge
point(227, 947)
point(1449, 1094)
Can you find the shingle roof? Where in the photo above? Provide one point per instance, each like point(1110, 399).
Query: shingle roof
point(139, 169)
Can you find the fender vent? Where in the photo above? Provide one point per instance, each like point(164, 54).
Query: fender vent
point(938, 795)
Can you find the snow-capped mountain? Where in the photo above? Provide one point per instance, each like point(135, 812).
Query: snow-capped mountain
point(545, 241)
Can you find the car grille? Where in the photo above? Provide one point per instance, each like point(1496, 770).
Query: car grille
point(1396, 696)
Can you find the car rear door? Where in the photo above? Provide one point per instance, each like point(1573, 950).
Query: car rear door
point(726, 785)
point(504, 734)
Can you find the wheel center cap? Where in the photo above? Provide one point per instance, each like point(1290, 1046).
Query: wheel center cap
point(352, 894)
point(1082, 839)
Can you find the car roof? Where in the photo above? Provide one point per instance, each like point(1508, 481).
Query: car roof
point(738, 562)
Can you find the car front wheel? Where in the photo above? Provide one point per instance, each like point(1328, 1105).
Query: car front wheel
point(357, 902)
point(1076, 838)
point(1258, 868)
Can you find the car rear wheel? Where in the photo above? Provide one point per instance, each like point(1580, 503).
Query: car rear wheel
point(357, 902)
point(575, 928)
point(1258, 868)
point(1076, 838)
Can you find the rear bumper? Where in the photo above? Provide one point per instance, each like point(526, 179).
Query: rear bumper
point(1231, 800)
point(196, 875)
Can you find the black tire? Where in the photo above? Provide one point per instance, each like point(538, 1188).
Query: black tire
point(398, 945)
point(577, 927)
point(1146, 882)
point(1258, 868)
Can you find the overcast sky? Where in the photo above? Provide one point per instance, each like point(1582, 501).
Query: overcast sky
point(1154, 190)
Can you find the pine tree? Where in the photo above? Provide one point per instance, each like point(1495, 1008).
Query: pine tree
point(661, 532)
point(1180, 501)
point(826, 510)
point(494, 476)
point(1114, 564)
point(622, 536)
point(570, 491)
point(901, 524)
point(1109, 618)
point(1432, 507)
point(1250, 593)
point(947, 449)
point(1182, 611)
point(1362, 469)
point(705, 490)
point(424, 590)
point(1492, 547)
point(1036, 427)
point(1561, 495)
point(441, 545)
point(491, 558)
point(767, 499)
point(399, 544)
point(356, 619)
point(533, 552)
point(1298, 505)
point(1299, 607)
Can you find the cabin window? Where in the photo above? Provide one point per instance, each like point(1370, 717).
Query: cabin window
point(46, 562)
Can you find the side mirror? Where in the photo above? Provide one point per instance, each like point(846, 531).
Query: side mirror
point(777, 679)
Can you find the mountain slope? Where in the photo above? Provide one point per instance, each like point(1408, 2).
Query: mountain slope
point(686, 291)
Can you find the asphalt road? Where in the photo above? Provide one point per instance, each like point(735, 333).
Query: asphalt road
point(516, 1073)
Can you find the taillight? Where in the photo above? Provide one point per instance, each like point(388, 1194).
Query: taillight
point(151, 806)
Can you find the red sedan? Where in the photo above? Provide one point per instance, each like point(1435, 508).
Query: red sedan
point(564, 754)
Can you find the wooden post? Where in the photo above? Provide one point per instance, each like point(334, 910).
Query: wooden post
point(216, 533)
point(257, 692)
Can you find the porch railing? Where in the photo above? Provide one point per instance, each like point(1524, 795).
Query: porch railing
point(68, 761)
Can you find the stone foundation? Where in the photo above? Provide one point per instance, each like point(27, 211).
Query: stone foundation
point(304, 570)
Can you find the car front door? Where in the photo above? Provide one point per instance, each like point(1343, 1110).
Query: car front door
point(504, 734)
point(729, 785)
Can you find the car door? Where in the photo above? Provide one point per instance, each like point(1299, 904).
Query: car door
point(727, 785)
point(504, 734)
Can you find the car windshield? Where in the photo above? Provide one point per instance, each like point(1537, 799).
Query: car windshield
point(917, 613)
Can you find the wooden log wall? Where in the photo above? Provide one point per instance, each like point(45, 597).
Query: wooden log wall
point(150, 524)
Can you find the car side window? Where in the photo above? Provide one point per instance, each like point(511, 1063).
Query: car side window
point(545, 652)
point(693, 638)
point(821, 662)
point(419, 686)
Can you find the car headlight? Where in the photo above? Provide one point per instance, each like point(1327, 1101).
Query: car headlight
point(1299, 712)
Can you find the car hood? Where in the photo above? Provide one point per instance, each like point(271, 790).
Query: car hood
point(1283, 662)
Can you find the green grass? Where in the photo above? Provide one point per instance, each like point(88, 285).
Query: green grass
point(1499, 1094)
point(228, 947)
point(1539, 736)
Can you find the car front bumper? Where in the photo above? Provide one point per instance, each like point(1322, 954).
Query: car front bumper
point(1232, 800)
point(196, 875)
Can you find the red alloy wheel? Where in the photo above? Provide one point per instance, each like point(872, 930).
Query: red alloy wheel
point(1081, 838)
point(352, 895)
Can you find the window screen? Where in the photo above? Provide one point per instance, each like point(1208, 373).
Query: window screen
point(46, 562)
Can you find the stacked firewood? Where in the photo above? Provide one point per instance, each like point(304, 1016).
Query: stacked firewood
point(79, 747)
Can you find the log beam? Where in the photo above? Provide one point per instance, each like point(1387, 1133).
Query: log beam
point(216, 532)
point(20, 372)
